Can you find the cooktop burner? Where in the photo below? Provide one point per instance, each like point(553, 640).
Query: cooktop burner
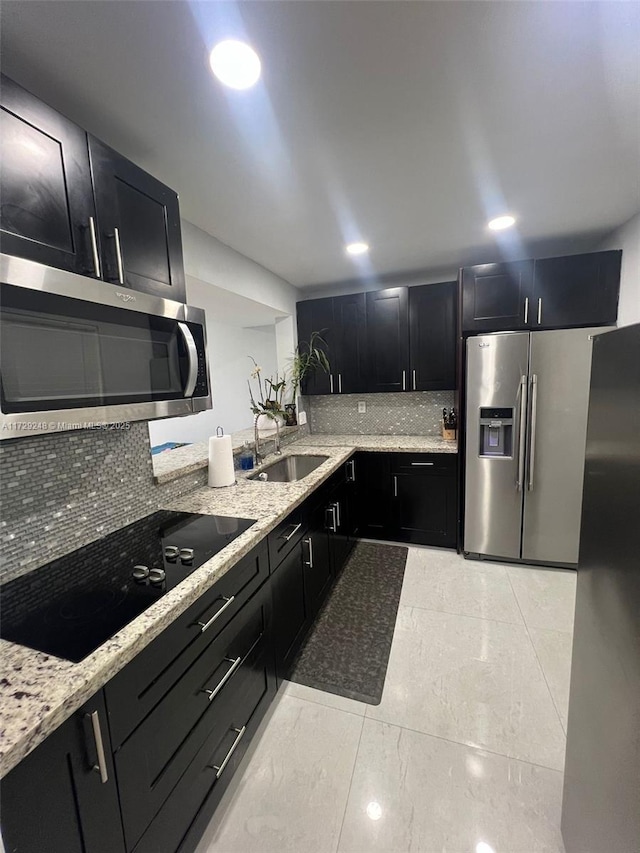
point(71, 606)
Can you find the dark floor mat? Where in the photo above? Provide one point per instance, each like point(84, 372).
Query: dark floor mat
point(347, 650)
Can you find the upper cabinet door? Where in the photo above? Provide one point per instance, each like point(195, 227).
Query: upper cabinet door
point(139, 224)
point(577, 290)
point(432, 336)
point(388, 339)
point(350, 320)
point(497, 297)
point(316, 315)
point(46, 202)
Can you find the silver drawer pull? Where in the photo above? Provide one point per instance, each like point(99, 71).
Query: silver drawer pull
point(421, 464)
point(234, 665)
point(101, 766)
point(220, 768)
point(227, 603)
point(296, 527)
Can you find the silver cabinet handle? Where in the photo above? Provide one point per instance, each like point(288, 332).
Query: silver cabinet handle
point(395, 486)
point(116, 237)
point(526, 310)
point(220, 768)
point(532, 431)
point(404, 380)
point(101, 766)
point(338, 513)
point(234, 665)
point(296, 527)
point(331, 382)
point(339, 383)
point(227, 603)
point(94, 246)
point(422, 464)
point(332, 523)
point(192, 354)
point(521, 432)
point(540, 310)
point(351, 471)
point(414, 379)
point(309, 543)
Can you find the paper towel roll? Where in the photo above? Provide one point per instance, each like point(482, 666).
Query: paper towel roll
point(221, 471)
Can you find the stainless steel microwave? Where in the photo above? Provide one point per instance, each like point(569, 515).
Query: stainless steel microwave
point(78, 353)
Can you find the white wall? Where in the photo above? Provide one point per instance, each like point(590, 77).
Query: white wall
point(212, 267)
point(627, 238)
point(229, 347)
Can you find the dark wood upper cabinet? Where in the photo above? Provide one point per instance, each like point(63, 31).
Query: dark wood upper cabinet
point(388, 340)
point(46, 199)
point(432, 336)
point(139, 225)
point(577, 290)
point(316, 315)
point(55, 800)
point(350, 335)
point(497, 297)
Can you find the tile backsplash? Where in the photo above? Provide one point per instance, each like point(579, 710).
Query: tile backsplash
point(410, 413)
point(63, 490)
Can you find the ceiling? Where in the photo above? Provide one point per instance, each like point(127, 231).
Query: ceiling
point(406, 124)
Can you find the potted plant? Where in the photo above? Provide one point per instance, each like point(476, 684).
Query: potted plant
point(308, 357)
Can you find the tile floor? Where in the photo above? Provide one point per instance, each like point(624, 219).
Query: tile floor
point(465, 752)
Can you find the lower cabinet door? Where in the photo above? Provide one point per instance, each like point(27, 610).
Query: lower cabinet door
point(373, 485)
point(424, 508)
point(317, 561)
point(62, 797)
point(291, 616)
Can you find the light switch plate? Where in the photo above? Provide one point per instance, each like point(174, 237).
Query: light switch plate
point(362, 407)
point(302, 418)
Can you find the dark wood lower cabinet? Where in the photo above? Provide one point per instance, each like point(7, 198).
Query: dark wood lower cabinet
point(182, 713)
point(56, 800)
point(408, 497)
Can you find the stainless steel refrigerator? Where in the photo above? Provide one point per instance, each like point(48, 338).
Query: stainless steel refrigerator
point(601, 802)
point(526, 420)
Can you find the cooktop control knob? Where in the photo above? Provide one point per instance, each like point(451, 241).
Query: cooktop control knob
point(156, 575)
point(171, 552)
point(140, 573)
point(186, 555)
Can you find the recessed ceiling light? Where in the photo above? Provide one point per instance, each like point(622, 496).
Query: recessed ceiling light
point(357, 248)
point(235, 64)
point(501, 222)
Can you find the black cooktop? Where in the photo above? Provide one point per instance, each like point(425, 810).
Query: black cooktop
point(71, 606)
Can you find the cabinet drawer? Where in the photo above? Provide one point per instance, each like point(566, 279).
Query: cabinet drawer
point(286, 535)
point(139, 687)
point(200, 788)
point(433, 463)
point(153, 759)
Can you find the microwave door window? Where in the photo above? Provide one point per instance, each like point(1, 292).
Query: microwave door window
point(141, 361)
point(45, 357)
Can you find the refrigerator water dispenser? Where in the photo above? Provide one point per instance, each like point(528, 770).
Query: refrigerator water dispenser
point(496, 432)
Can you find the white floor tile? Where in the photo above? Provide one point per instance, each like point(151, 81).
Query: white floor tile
point(473, 681)
point(412, 793)
point(554, 653)
point(440, 580)
point(330, 700)
point(293, 791)
point(546, 597)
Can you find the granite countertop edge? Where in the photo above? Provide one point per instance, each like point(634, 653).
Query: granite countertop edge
point(38, 692)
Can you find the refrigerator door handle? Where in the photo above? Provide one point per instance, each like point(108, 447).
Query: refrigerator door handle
point(532, 431)
point(522, 426)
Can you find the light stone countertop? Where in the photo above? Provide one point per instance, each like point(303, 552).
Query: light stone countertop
point(38, 692)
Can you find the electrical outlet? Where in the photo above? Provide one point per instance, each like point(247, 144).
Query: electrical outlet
point(362, 407)
point(302, 418)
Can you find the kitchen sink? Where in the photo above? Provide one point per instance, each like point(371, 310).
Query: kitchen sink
point(288, 469)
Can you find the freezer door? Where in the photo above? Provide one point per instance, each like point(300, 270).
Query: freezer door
point(560, 366)
point(497, 368)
